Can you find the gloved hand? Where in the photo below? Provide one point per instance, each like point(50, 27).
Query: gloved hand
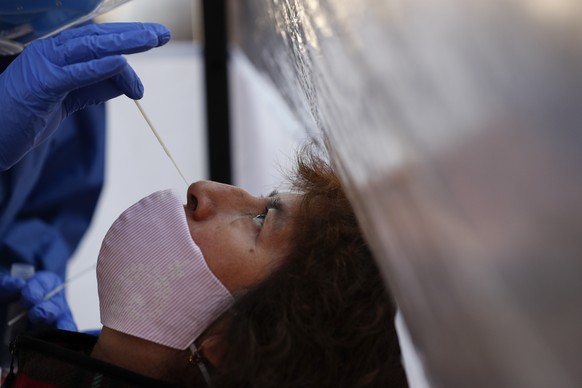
point(57, 76)
point(54, 312)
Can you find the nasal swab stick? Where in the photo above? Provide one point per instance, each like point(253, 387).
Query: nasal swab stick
point(53, 292)
point(145, 116)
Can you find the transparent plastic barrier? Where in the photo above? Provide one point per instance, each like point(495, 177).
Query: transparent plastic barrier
point(23, 21)
point(457, 128)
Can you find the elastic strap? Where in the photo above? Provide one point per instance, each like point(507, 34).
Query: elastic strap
point(196, 357)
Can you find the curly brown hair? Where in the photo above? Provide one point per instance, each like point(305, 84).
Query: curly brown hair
point(324, 318)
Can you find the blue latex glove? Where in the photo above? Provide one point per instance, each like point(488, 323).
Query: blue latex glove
point(57, 76)
point(54, 312)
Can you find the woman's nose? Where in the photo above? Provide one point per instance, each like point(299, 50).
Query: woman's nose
point(208, 198)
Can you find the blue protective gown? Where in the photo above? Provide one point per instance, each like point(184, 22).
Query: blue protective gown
point(47, 199)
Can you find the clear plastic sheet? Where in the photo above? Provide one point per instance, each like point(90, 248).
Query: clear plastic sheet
point(23, 21)
point(457, 129)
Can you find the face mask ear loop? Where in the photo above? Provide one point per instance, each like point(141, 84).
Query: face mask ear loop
point(197, 358)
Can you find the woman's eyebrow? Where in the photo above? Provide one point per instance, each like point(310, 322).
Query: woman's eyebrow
point(272, 194)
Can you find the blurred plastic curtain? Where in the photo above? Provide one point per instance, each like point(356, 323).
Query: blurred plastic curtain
point(23, 21)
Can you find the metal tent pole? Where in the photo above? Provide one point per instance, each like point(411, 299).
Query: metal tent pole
point(217, 96)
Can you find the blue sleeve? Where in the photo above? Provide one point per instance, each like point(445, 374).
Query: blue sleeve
point(48, 199)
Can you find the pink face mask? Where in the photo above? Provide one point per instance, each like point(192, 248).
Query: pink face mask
point(152, 278)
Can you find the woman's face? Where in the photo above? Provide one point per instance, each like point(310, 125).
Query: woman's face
point(242, 237)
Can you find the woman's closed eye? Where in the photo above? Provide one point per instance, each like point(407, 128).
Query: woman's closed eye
point(259, 219)
point(274, 203)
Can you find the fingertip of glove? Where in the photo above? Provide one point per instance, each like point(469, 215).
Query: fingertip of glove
point(39, 315)
point(136, 92)
point(12, 283)
point(31, 295)
point(162, 32)
point(164, 38)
